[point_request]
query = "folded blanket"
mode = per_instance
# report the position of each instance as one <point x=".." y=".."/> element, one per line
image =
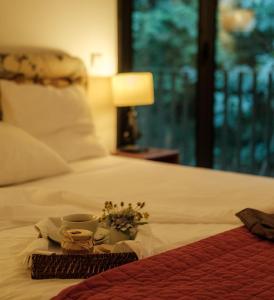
<point x="258" y="222"/>
<point x="231" y="265"/>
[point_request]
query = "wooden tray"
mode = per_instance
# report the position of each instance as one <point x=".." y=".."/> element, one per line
<point x="76" y="265"/>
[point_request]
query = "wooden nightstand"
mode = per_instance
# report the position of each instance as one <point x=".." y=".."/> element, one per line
<point x="156" y="154"/>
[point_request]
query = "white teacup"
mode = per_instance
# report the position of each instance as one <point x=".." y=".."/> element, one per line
<point x="79" y="221"/>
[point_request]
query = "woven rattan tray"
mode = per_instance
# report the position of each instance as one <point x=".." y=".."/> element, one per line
<point x="76" y="266"/>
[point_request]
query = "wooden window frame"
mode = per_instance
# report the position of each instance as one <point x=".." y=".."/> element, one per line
<point x="205" y="83"/>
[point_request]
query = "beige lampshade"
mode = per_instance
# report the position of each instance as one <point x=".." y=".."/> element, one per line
<point x="131" y="89"/>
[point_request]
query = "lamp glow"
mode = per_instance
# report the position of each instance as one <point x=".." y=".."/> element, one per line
<point x="131" y="89"/>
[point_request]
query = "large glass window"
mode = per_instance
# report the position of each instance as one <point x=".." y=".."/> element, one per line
<point x="244" y="104"/>
<point x="165" y="43"/>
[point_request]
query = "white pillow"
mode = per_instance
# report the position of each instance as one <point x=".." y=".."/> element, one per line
<point x="23" y="158"/>
<point x="60" y="117"/>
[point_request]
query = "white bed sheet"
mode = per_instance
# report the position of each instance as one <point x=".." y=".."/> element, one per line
<point x="185" y="204"/>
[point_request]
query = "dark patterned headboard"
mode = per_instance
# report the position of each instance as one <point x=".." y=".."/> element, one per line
<point x="45" y="67"/>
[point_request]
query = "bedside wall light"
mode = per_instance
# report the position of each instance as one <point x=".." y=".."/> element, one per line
<point x="130" y="90"/>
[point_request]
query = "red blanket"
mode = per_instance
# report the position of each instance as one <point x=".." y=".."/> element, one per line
<point x="231" y="265"/>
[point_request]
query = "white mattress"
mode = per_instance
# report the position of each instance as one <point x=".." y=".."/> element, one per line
<point x="185" y="204"/>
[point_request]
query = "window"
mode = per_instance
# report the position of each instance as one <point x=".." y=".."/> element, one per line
<point x="216" y="109"/>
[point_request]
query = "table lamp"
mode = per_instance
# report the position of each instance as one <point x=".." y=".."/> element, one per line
<point x="130" y="90"/>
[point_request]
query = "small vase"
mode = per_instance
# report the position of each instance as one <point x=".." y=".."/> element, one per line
<point x="116" y="236"/>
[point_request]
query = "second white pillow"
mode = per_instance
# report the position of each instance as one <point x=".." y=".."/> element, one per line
<point x="24" y="158"/>
<point x="59" y="117"/>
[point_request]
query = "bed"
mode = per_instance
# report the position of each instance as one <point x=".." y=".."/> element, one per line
<point x="186" y="204"/>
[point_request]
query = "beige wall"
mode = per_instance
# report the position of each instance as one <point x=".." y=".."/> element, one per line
<point x="79" y="27"/>
<point x="104" y="113"/>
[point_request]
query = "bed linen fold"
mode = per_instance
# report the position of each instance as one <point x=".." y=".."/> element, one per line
<point x="28" y="205"/>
